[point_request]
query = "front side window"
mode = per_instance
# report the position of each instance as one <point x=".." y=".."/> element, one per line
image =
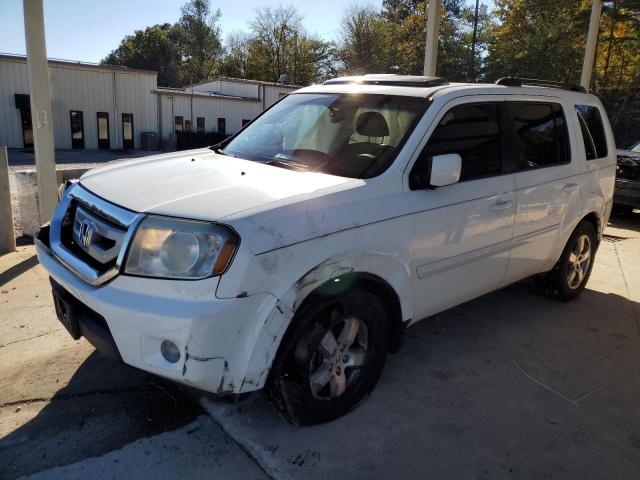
<point x="473" y="132"/>
<point x="541" y="134"/>
<point x="350" y="135"/>
<point x="592" y="131"/>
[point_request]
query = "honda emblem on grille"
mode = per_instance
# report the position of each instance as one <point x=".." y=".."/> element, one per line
<point x="86" y="232"/>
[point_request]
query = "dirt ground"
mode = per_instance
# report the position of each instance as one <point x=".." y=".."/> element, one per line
<point x="511" y="385"/>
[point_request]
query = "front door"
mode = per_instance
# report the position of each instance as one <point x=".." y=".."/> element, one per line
<point x="103" y="131"/>
<point x="548" y="185"/>
<point x="127" y="131"/>
<point x="27" y="128"/>
<point x="463" y="231"/>
<point x="77" y="129"/>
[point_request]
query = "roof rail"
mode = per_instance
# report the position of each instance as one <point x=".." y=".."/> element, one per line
<point x="391" y="80"/>
<point x="534" y="82"/>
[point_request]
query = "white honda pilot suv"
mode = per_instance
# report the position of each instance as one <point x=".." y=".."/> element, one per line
<point x="294" y="255"/>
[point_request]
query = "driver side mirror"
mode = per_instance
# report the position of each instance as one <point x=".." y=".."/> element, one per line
<point x="445" y="170"/>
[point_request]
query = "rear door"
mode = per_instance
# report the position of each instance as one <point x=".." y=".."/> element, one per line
<point x="462" y="232"/>
<point x="547" y="184"/>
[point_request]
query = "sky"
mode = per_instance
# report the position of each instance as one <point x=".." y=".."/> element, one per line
<point x="88" y="30"/>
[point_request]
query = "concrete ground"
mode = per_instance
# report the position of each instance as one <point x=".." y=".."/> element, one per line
<point x="61" y="402"/>
<point x="510" y="385"/>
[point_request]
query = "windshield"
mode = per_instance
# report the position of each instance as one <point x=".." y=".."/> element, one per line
<point x="636" y="148"/>
<point x="350" y="135"/>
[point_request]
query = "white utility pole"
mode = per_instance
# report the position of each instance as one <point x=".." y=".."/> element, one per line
<point x="38" y="69"/>
<point x="433" y="34"/>
<point x="592" y="39"/>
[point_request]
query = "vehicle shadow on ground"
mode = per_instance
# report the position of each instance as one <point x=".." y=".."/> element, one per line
<point x="508" y="385"/>
<point x="630" y="221"/>
<point x="104" y="406"/>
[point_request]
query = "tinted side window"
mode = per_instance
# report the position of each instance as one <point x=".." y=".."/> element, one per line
<point x="541" y="134"/>
<point x="591" y="120"/>
<point x="473" y="132"/>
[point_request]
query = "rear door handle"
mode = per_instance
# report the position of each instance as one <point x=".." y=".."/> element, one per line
<point x="501" y="205"/>
<point x="569" y="187"/>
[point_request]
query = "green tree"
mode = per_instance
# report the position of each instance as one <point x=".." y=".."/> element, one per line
<point x="393" y="40"/>
<point x="538" y="39"/>
<point x="277" y="45"/>
<point x="618" y="54"/>
<point x="154" y="48"/>
<point x="199" y="41"/>
<point x="363" y="40"/>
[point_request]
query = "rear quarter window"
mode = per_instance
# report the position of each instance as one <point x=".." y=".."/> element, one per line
<point x="593" y="134"/>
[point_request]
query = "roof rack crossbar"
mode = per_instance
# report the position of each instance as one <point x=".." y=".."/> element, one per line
<point x="535" y="82"/>
<point x="388" y="80"/>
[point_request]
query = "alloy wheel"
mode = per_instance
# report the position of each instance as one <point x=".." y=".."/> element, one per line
<point x="339" y="358"/>
<point x="579" y="262"/>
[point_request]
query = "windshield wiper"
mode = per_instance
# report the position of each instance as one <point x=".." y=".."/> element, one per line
<point x="286" y="164"/>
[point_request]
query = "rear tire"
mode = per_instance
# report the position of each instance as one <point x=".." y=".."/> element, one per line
<point x="331" y="357"/>
<point x="570" y="275"/>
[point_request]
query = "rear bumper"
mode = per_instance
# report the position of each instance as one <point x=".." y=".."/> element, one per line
<point x="130" y="317"/>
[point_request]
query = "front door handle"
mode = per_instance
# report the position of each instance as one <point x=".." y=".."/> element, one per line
<point x="569" y="187"/>
<point x="501" y="205"/>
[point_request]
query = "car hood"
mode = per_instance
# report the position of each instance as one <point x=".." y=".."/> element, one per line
<point x="201" y="184"/>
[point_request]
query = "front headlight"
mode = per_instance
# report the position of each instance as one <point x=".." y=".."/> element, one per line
<point x="172" y="248"/>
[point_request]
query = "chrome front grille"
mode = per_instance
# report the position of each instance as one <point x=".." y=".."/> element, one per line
<point x="99" y="239"/>
<point x="90" y="235"/>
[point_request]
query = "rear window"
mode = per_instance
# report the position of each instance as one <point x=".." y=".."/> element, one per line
<point x="595" y="140"/>
<point x="541" y="134"/>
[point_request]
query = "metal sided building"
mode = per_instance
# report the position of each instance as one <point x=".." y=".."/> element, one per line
<point x="111" y="107"/>
<point x="223" y="105"/>
<point x="93" y="106"/>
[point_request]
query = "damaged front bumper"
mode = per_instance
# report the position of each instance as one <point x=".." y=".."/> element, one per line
<point x="217" y="338"/>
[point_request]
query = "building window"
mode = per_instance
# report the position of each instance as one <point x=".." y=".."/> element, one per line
<point x="200" y="125"/>
<point x="103" y="130"/>
<point x="187" y="125"/>
<point x="245" y="121"/>
<point x="24" y="105"/>
<point x="127" y="130"/>
<point x="77" y="129"/>
<point x="178" y="124"/>
<point x="222" y="126"/>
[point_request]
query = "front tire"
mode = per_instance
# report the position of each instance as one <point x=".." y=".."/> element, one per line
<point x="571" y="274"/>
<point x="331" y="358"/>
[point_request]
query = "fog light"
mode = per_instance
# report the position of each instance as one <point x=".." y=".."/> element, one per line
<point x="170" y="351"/>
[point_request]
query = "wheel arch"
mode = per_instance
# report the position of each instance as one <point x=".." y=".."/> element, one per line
<point x="377" y="273"/>
<point x="595" y="220"/>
